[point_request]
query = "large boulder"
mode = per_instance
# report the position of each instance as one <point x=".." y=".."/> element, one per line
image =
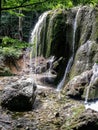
<point x="85" y="85"/>
<point x="75" y="88"/>
<point x="19" y="96"/>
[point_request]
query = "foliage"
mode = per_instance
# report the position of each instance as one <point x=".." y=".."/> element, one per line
<point x="15" y="43"/>
<point x="45" y="4"/>
<point x="10" y="52"/>
<point x="12" y="48"/>
<point x="93" y="2"/>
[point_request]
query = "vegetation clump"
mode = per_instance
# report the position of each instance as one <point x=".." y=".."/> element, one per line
<point x="11" y="48"/>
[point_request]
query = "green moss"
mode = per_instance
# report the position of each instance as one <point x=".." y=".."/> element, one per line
<point x="94" y="35"/>
<point x="73" y="120"/>
<point x="94" y="50"/>
<point x="16" y="115"/>
<point x="54" y="34"/>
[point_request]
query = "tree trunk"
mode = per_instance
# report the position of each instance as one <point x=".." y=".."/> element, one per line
<point x="0" y="21"/>
<point x="0" y="12"/>
<point x="20" y="26"/>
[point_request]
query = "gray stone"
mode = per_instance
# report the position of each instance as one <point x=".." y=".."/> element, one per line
<point x="19" y="97"/>
<point x="75" y="88"/>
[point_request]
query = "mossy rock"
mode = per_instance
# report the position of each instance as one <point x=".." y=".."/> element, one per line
<point x="55" y="33"/>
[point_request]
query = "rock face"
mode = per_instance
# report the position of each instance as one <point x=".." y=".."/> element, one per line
<point x="56" y="38"/>
<point x="86" y="41"/>
<point x="19" y="96"/>
<point x="86" y="44"/>
<point x="85" y="57"/>
<point x="55" y="32"/>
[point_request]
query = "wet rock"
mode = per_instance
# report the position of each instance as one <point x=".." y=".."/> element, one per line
<point x="86" y="56"/>
<point x="75" y="88"/>
<point x="19" y="96"/>
<point x="41" y="69"/>
<point x="93" y="89"/>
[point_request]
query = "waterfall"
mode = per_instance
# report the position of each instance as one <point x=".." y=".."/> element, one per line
<point x="49" y="74"/>
<point x="69" y="64"/>
<point x="50" y="64"/>
<point x="74" y="30"/>
<point x="36" y="38"/>
<point x="49" y="32"/>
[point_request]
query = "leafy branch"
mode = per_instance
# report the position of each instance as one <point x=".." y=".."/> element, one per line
<point x="21" y="6"/>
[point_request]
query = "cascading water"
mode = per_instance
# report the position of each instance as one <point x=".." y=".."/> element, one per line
<point x="60" y="85"/>
<point x="69" y="64"/>
<point x="49" y="31"/>
<point x="50" y="64"/>
<point x="36" y="33"/>
<point x="49" y="74"/>
<point x="36" y="38"/>
<point x="92" y="105"/>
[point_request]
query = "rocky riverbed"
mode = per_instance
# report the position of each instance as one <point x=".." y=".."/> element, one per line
<point x="52" y="110"/>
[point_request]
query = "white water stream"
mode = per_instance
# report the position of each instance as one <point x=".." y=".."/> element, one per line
<point x="36" y="39"/>
<point x="50" y="65"/>
<point x="69" y="64"/>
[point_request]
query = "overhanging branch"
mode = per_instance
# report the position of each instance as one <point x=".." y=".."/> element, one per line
<point x="21" y="6"/>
